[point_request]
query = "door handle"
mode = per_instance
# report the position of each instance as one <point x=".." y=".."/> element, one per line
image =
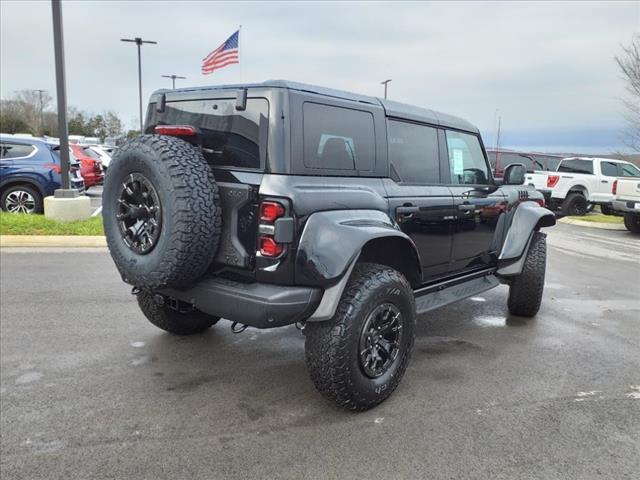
<point x="604" y="181"/>
<point x="466" y="207"/>
<point x="407" y="210"/>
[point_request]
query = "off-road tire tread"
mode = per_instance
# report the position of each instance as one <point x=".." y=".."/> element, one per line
<point x="325" y="342"/>
<point x="173" y="321"/>
<point x="525" y="292"/>
<point x="197" y="226"/>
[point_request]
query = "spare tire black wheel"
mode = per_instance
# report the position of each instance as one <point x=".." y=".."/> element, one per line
<point x="161" y="212"/>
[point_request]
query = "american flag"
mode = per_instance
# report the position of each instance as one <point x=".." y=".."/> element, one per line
<point x="224" y="55"/>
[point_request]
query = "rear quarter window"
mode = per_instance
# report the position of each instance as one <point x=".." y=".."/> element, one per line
<point x="337" y="138"/>
<point x="576" y="166"/>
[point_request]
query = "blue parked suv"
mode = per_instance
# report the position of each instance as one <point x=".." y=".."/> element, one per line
<point x="29" y="171"/>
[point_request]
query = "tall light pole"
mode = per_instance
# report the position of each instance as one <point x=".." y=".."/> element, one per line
<point x="40" y="92"/>
<point x="173" y="79"/>
<point x="139" y="41"/>
<point x="61" y="94"/>
<point x="385" y="87"/>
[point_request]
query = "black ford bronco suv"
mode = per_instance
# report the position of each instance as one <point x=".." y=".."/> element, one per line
<point x="280" y="203"/>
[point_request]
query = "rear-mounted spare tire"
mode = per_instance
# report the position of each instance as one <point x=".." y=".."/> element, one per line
<point x="161" y="212"/>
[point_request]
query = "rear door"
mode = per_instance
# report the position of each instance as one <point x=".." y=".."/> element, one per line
<point x="608" y="173"/>
<point x="476" y="202"/>
<point x="420" y="203"/>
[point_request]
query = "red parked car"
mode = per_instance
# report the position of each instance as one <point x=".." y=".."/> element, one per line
<point x="90" y="165"/>
<point x="500" y="159"/>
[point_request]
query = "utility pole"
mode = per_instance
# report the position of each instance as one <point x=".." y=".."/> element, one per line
<point x="385" y="87"/>
<point x="40" y="92"/>
<point x="139" y="41"/>
<point x="173" y="79"/>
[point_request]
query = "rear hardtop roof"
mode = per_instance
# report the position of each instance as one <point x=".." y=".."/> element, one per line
<point x="392" y="109"/>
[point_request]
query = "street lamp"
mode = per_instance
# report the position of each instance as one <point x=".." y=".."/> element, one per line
<point x="173" y="79"/>
<point x="385" y="87"/>
<point x="139" y="41"/>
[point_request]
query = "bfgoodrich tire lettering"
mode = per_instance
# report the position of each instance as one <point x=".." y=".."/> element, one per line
<point x="332" y="347"/>
<point x="191" y="213"/>
<point x="173" y="321"/>
<point x="525" y="292"/>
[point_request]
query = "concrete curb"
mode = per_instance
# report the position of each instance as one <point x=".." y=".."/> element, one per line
<point x="601" y="225"/>
<point x="65" y="241"/>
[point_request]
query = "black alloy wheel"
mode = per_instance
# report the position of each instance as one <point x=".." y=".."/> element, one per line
<point x="139" y="214"/>
<point x="380" y="340"/>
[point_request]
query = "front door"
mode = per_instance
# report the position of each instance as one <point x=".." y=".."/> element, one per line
<point x="420" y="203"/>
<point x="477" y="203"/>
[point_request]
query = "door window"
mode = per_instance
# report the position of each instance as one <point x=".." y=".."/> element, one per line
<point x="628" y="170"/>
<point x="413" y="152"/>
<point x="466" y="159"/>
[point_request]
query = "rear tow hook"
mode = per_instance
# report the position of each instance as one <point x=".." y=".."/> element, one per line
<point x="238" y="327"/>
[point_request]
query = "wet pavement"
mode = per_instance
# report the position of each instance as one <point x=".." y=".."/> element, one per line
<point x="90" y="389"/>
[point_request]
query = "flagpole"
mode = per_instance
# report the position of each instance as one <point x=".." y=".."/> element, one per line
<point x="240" y="50"/>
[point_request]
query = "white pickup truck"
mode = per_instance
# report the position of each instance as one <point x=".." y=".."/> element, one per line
<point x="579" y="182"/>
<point x="626" y="201"/>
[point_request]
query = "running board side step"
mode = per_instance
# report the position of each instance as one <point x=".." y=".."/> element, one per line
<point x="437" y="296"/>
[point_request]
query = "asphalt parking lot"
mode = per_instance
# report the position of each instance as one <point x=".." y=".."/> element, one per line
<point x="89" y="389"/>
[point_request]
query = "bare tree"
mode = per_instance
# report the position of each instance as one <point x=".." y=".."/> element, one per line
<point x="629" y="63"/>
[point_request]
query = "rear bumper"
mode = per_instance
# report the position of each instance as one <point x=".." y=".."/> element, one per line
<point x="626" y="206"/>
<point x="258" y="305"/>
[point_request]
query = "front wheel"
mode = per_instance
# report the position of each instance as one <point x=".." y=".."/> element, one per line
<point x="525" y="292"/>
<point x="178" y="322"/>
<point x="632" y="222"/>
<point x="358" y="358"/>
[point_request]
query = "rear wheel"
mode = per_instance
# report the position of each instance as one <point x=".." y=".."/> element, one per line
<point x="575" y="204"/>
<point x="179" y="322"/>
<point x="525" y="292"/>
<point x="606" y="210"/>
<point x="358" y="358"/>
<point x="632" y="222"/>
<point x="21" y="199"/>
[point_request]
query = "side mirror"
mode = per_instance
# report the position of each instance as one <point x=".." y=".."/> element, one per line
<point x="514" y="174"/>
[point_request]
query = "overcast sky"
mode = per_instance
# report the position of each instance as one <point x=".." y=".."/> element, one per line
<point x="547" y="67"/>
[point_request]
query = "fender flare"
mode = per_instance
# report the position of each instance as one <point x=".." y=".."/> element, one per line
<point x="22" y="180"/>
<point x="330" y="245"/>
<point x="528" y="218"/>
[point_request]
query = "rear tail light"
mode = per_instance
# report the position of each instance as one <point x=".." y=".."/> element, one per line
<point x="270" y="211"/>
<point x="539" y="201"/>
<point x="552" y="180"/>
<point x="176" y="130"/>
<point x="54" y="167"/>
<point x="269" y="247"/>
<point x="614" y="188"/>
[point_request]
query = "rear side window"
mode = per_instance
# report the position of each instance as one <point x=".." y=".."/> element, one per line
<point x="337" y="138"/>
<point x="576" y="166"/>
<point x="609" y="169"/>
<point x="466" y="159"/>
<point x="228" y="137"/>
<point x="15" y="150"/>
<point x="413" y="152"/>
